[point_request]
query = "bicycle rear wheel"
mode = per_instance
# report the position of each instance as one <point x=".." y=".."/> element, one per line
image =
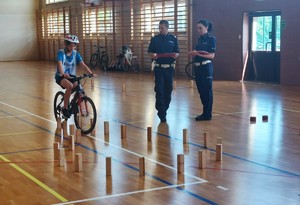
<point x="125" y="66"/>
<point x="190" y="70"/>
<point x="58" y="104"/>
<point x="85" y="115"/>
<point x="104" y="61"/>
<point x="94" y="60"/>
<point x="135" y="65"/>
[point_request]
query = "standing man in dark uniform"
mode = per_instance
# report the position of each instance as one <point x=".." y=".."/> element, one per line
<point x="204" y="53"/>
<point x="163" y="48"/>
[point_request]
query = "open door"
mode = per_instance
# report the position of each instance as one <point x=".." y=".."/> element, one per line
<point x="264" y="47"/>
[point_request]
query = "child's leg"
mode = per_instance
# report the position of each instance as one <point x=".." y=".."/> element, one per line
<point x="69" y="86"/>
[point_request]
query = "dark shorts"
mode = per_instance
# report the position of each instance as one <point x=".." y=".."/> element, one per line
<point x="58" y="79"/>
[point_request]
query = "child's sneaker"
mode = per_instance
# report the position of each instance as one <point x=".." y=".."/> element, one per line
<point x="65" y="113"/>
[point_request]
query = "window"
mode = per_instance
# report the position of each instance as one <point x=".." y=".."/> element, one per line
<point x="56" y="22"/>
<point x="262" y="33"/>
<point x="97" y="20"/>
<point x="152" y="15"/>
<point x="54" y="1"/>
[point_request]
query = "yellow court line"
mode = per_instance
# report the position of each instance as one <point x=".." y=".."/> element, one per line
<point x="20" y="133"/>
<point x="38" y="182"/>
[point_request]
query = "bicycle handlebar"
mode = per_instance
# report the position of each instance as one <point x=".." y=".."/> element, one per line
<point x="85" y="75"/>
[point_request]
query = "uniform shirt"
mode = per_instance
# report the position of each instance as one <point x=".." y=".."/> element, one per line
<point x="163" y="44"/>
<point x="207" y="43"/>
<point x="68" y="62"/>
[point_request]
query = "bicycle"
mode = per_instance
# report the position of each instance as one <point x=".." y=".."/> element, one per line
<point x="83" y="107"/>
<point x="190" y="70"/>
<point x="99" y="57"/>
<point x="125" y="61"/>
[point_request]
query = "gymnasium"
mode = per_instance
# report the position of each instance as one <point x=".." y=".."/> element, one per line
<point x="122" y="152"/>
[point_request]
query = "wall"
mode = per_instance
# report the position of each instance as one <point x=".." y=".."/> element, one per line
<point x="227" y="18"/>
<point x="18" y="31"/>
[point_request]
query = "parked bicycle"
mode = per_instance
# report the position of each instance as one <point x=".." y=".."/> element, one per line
<point x="125" y="61"/>
<point x="83" y="107"/>
<point x="100" y="57"/>
<point x="190" y="70"/>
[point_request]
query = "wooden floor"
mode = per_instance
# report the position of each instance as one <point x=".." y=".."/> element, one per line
<point x="261" y="161"/>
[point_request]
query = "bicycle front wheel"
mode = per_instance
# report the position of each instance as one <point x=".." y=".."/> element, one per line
<point x="190" y="70"/>
<point x="85" y="115"/>
<point x="94" y="60"/>
<point x="58" y="104"/>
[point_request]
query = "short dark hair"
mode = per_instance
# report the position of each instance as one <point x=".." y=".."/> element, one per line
<point x="206" y="23"/>
<point x="165" y="22"/>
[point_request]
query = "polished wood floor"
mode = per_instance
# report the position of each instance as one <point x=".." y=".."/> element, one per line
<point x="260" y="161"/>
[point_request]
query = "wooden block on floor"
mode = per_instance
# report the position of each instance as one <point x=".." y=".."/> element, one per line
<point x="180" y="163"/>
<point x="174" y="84"/>
<point x="219" y="152"/>
<point x="78" y="162"/>
<point x="58" y="123"/>
<point x="142" y="166"/>
<point x="65" y="128"/>
<point x="108" y="166"/>
<point x="78" y="136"/>
<point x="106" y="128"/>
<point x="123" y="131"/>
<point x="62" y="159"/>
<point x="71" y="142"/>
<point x="185" y="138"/>
<point x="149" y="134"/>
<point x="205" y="140"/>
<point x="201" y="159"/>
<point x="72" y="129"/>
<point x="265" y="118"/>
<point x="253" y="119"/>
<point x="56" y="150"/>
<point x="123" y="87"/>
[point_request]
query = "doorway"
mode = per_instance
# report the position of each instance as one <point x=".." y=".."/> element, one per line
<point x="264" y="47"/>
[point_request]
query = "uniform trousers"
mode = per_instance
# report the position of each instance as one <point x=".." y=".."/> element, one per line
<point x="204" y="79"/>
<point x="163" y="89"/>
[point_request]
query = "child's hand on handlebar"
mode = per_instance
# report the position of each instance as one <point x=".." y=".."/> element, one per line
<point x="66" y="75"/>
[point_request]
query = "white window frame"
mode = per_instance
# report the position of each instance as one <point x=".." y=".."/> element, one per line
<point x="55" y="1"/>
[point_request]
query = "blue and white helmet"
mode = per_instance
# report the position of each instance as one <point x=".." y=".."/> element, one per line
<point x="71" y="38"/>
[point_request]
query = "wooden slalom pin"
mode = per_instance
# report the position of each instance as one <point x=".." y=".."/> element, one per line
<point x="180" y="163"/>
<point x="56" y="150"/>
<point x="185" y="138"/>
<point x="201" y="159"/>
<point x="123" y="131"/>
<point x="219" y="152"/>
<point x="78" y="162"/>
<point x="149" y="134"/>
<point x="108" y="166"/>
<point x="142" y="166"/>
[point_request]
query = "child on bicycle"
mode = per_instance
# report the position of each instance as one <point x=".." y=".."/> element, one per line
<point x="67" y="60"/>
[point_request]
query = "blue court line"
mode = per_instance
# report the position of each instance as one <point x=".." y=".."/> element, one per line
<point x="127" y="165"/>
<point x="224" y="153"/>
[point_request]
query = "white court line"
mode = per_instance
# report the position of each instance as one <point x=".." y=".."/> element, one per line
<point x="126" y="150"/>
<point x="27" y="112"/>
<point x="292" y="110"/>
<point x="223" y="188"/>
<point x="129" y="193"/>
<point x="15" y="116"/>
